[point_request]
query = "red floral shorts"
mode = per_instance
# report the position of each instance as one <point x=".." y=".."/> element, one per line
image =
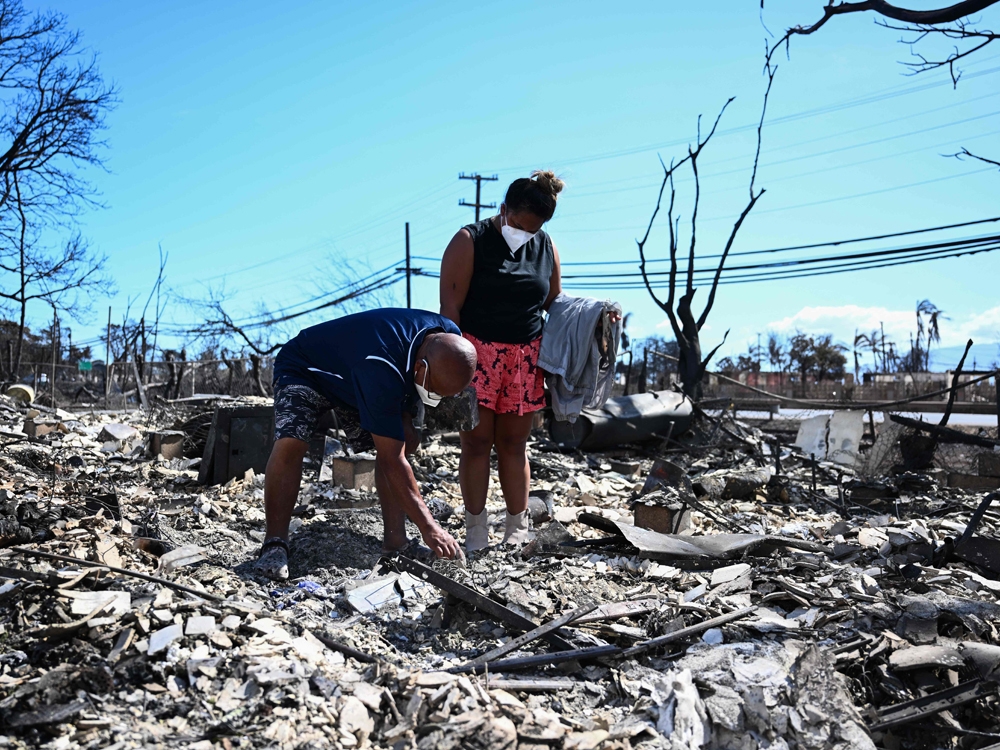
<point x="508" y="379"/>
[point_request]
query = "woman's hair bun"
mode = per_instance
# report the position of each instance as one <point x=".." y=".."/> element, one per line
<point x="547" y="180"/>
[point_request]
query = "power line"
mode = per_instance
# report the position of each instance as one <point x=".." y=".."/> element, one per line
<point x="830" y="243"/>
<point x="969" y="242"/>
<point x="875" y="97"/>
<point x="792" y="274"/>
<point x="802" y="157"/>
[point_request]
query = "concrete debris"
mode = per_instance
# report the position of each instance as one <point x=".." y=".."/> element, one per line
<point x="791" y="600"/>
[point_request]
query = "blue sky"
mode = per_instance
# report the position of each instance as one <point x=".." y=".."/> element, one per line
<point x="268" y="146"/>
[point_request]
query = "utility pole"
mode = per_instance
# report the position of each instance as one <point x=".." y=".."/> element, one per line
<point x="107" y="364"/>
<point x="409" y="298"/>
<point x="55" y="348"/>
<point x="758" y="360"/>
<point x="479" y="184"/>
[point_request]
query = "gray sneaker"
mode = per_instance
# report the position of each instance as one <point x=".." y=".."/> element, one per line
<point x="272" y="560"/>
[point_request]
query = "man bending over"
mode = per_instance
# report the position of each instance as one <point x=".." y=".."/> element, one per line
<point x="370" y="368"/>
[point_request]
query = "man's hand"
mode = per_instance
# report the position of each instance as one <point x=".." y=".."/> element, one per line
<point x="400" y="497"/>
<point x="442" y="543"/>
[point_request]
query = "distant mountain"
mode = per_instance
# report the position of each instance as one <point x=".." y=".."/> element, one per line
<point x="985" y="357"/>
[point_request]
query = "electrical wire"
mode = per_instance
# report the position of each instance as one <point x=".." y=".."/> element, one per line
<point x="811" y="246"/>
<point x="875" y="97"/>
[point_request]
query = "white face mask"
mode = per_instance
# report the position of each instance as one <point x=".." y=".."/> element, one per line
<point x="515" y="238"/>
<point x="429" y="399"/>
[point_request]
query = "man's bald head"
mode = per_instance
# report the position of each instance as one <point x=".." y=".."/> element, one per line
<point x="452" y="362"/>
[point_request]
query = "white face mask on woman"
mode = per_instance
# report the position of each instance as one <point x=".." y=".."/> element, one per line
<point x="515" y="238"/>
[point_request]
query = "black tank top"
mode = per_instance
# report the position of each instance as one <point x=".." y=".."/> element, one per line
<point x="507" y="291"/>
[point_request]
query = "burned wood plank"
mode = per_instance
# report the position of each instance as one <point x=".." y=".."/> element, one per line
<point x="683" y="633"/>
<point x="49" y="715"/>
<point x="617" y="610"/>
<point x="944" y="434"/>
<point x="541" y="660"/>
<point x="929" y="705"/>
<point x="515" y="643"/>
<point x="530" y="686"/>
<point x="474" y="598"/>
<point x="122" y="571"/>
<point x="335" y="645"/>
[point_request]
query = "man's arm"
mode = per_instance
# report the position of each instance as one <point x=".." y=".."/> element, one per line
<point x="404" y="490"/>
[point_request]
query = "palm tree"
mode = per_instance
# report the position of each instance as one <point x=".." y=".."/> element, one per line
<point x="932" y="328"/>
<point x="860" y="341"/>
<point x="776" y="354"/>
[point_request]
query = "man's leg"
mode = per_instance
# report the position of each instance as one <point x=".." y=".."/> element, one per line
<point x="281" y="484"/>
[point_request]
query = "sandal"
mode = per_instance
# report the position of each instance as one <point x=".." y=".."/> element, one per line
<point x="272" y="560"/>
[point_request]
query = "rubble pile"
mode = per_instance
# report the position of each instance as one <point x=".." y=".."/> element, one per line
<point x="717" y="590"/>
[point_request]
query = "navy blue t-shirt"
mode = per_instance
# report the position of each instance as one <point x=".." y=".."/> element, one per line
<point x="364" y="360"/>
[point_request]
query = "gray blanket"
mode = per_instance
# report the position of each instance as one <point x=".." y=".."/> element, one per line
<point x="577" y="340"/>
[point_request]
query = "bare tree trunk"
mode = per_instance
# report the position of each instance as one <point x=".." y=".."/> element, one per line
<point x="231" y="366"/>
<point x="169" y="357"/>
<point x="255" y="370"/>
<point x="181" y="372"/>
<point x="692" y="365"/>
<point x="22" y="292"/>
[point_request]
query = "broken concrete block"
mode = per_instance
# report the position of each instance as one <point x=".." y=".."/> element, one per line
<point x="662" y="518"/>
<point x="973" y="483"/>
<point x="354" y="718"/>
<point x="117" y="432"/>
<point x="168" y="444"/>
<point x="162" y="638"/>
<point x="200" y="625"/>
<point x="728" y="573"/>
<point x="924" y="657"/>
<point x="732" y="484"/>
<point x="85" y="602"/>
<point x="354" y="472"/>
<point x="37" y="428"/>
<point x="628" y="468"/>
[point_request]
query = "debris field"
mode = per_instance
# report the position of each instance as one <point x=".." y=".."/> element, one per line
<point x="718" y="589"/>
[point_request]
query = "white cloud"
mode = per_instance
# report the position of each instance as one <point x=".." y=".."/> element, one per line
<point x="843" y="320"/>
<point x="984" y="328"/>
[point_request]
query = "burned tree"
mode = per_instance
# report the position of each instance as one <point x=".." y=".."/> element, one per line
<point x="686" y="327"/>
<point x="53" y="102"/>
<point x="952" y="24"/>
<point x="64" y="279"/>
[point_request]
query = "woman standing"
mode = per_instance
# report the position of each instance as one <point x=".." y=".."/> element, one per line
<point x="497" y="276"/>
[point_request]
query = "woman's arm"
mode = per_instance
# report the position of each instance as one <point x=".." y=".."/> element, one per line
<point x="456" y="274"/>
<point x="555" y="282"/>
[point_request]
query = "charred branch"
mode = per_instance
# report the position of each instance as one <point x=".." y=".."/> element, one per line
<point x="948" y="22"/>
<point x="686" y="326"/>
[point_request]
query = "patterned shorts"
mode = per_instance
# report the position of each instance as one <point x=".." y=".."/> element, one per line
<point x="298" y="410"/>
<point x="508" y="379"/>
